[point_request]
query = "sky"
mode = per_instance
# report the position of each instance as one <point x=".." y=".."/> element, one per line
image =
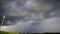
<point x="31" y="15"/>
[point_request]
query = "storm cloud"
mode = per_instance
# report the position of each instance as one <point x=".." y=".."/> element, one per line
<point x="31" y="15"/>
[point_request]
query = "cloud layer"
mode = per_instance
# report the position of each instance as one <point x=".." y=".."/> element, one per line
<point x="38" y="15"/>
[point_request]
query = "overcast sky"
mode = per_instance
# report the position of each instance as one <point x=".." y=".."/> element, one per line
<point x="38" y="15"/>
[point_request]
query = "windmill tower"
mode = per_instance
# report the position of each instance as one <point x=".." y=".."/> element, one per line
<point x="3" y="19"/>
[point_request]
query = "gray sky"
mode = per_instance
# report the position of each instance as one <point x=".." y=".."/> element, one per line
<point x="33" y="20"/>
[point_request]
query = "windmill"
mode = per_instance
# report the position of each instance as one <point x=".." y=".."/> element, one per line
<point x="3" y="19"/>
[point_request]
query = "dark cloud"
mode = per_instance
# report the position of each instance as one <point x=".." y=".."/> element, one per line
<point x="22" y="16"/>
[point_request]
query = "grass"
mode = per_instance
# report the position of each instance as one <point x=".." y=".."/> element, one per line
<point x="3" y="32"/>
